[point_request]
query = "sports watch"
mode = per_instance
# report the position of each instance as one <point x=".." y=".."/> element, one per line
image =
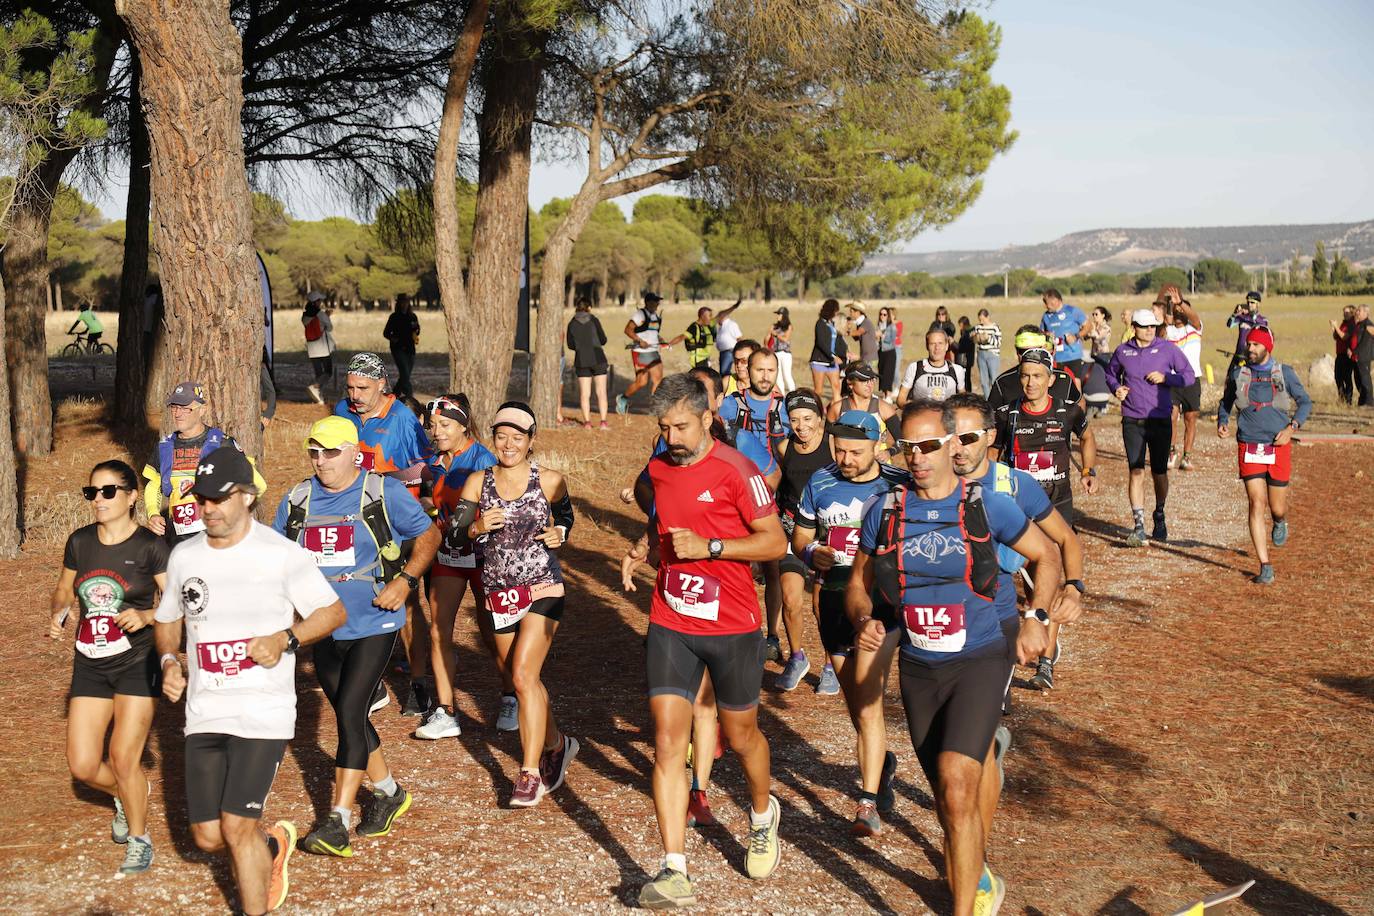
<point x="292" y="643"/>
<point x="413" y="582"/>
<point x="1078" y="584"/>
<point x="1037" y="614"/>
<point x="715" y="547"/>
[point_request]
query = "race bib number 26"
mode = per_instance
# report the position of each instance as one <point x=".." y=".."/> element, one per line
<point x="186" y="518"/>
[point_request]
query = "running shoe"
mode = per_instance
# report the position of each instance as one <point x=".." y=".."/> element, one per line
<point x="622" y="403"/>
<point x="991" y="891"/>
<point x="1279" y="535"/>
<point x="1161" y="532"/>
<point x="773" y="648"/>
<point x="668" y="891"/>
<point x="605" y="425"/>
<point x="866" y="822"/>
<point x="1266" y="575"/>
<point x="829" y="684"/>
<point x="887" y="798"/>
<point x="699" y="812"/>
<point x="1001" y="743"/>
<point x="764" y="850"/>
<point x="1043" y="679"/>
<point x="509" y="718"/>
<point x="315" y="393"/>
<point x="119" y="826"/>
<point x="553" y="765"/>
<point x="284" y="833"/>
<point x="383" y="811"/>
<point x="328" y="837"/>
<point x="796" y="669"/>
<point x="529" y="789"/>
<point x="417" y="700"/>
<point x="138" y="856"/>
<point x="1185" y="463"/>
<point x="1137" y="538"/>
<point x="439" y="723"/>
<point x="379" y="698"/>
<point x="1173" y="459"/>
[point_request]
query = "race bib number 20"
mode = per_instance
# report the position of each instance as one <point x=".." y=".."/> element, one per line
<point x="509" y="606"/>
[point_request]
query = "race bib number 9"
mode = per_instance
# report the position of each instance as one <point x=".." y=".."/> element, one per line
<point x="692" y="594"/>
<point x="330" y="545"/>
<point x="1259" y="453"/>
<point x="186" y="518"/>
<point x="935" y="627"/>
<point x="845" y="543"/>
<point x="509" y="606"/>
<point x="100" y="637"/>
<point x="1039" y="465"/>
<point x="227" y="665"/>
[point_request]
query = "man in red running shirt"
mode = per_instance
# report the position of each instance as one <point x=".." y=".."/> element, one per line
<point x="714" y="515"/>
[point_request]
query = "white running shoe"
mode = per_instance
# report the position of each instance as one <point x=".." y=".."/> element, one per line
<point x="438" y="724"/>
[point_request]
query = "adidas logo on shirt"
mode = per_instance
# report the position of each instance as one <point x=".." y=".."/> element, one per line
<point x="705" y="497"/>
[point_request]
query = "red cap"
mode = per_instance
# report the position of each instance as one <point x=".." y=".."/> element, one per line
<point x="1261" y="336"/>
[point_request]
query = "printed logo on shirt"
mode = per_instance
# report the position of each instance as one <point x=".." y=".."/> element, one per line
<point x="705" y="497"/>
<point x="195" y="595"/>
<point x="933" y="545"/>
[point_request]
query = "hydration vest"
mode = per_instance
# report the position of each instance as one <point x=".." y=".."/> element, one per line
<point x="774" y="431"/>
<point x="372" y="511"/>
<point x="700" y="340"/>
<point x="981" y="565"/>
<point x="166" y="447"/>
<point x="1282" y="402"/>
<point x="652" y="322"/>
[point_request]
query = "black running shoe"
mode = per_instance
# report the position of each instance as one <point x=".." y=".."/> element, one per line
<point x="383" y="811"/>
<point x="1161" y="532"/>
<point x="418" y="700"/>
<point x="379" y="698"/>
<point x="328" y="837"/>
<point x="887" y="798"/>
<point x="1043" y="679"/>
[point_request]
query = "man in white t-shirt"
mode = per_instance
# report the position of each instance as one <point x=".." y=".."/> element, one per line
<point x="1184" y="328"/>
<point x="728" y="334"/>
<point x="934" y="378"/>
<point x="235" y="591"/>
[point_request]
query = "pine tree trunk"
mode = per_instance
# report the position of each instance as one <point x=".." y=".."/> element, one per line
<point x="131" y="360"/>
<point x="484" y="332"/>
<point x="546" y="379"/>
<point x="26" y="308"/>
<point x="10" y="507"/>
<point x="192" y="69"/>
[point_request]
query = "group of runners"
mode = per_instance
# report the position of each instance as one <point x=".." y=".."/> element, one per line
<point x="941" y="533"/>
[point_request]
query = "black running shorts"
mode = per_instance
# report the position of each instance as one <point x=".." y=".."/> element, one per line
<point x="1153" y="435"/>
<point x="954" y="706"/>
<point x="676" y="661"/>
<point x="139" y="676"/>
<point x="1187" y="398"/>
<point x="593" y="371"/>
<point x="837" y="633"/>
<point x="229" y="774"/>
<point x="551" y="608"/>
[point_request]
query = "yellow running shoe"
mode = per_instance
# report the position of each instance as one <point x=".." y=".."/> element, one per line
<point x="991" y="891"/>
<point x="668" y="891"/>
<point x="764" y="850"/>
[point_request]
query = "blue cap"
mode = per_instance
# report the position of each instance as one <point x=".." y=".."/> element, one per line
<point x="856" y="424"/>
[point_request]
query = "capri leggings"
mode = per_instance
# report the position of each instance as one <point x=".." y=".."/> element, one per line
<point x="349" y="670"/>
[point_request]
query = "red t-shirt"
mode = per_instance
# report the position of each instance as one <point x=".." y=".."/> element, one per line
<point x="717" y="497"/>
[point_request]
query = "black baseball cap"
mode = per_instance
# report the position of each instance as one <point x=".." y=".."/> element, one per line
<point x="220" y="471"/>
<point x="652" y="297"/>
<point x="860" y="370"/>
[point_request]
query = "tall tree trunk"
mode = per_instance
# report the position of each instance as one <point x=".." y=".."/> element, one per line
<point x="131" y="360"/>
<point x="448" y="257"/>
<point x="10" y="506"/>
<point x="192" y="67"/>
<point x="557" y="250"/>
<point x="486" y="329"/>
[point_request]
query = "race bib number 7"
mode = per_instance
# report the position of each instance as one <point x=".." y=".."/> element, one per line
<point x="935" y="627"/>
<point x="1039" y="465"/>
<point x="692" y="594"/>
<point x="509" y="606"/>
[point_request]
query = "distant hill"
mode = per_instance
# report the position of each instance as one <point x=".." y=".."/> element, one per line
<point x="1138" y="250"/>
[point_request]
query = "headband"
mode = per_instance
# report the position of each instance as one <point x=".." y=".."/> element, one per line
<point x="448" y="406"/>
<point x="367" y="365"/>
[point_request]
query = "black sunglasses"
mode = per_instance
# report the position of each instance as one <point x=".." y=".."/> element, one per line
<point x="107" y="492"/>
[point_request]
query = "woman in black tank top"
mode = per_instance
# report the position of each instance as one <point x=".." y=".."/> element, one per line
<point x="804" y="452"/>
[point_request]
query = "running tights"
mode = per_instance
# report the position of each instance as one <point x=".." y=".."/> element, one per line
<point x="349" y="670"/>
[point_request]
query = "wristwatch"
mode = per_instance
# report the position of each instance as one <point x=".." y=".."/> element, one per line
<point x="715" y="547"/>
<point x="1090" y="472"/>
<point x="1037" y="614"/>
<point x="413" y="582"/>
<point x="1078" y="584"/>
<point x="292" y="643"/>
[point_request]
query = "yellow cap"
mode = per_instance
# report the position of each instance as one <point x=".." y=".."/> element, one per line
<point x="333" y="432"/>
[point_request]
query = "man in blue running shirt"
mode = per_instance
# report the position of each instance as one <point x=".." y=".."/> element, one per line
<point x="1062" y="323"/>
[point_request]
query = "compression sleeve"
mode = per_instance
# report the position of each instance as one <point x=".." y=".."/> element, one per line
<point x="563" y="515"/>
<point x="457" y="537"/>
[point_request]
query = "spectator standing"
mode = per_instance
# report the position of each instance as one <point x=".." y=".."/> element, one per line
<point x="988" y="338"/>
<point x="780" y="342"/>
<point x="728" y="334"/>
<point x="586" y="338"/>
<point x="402" y="332"/>
<point x="319" y="342"/>
<point x="964" y="350"/>
<point x="1363" y="352"/>
<point x="942" y="323"/>
<point x="889" y="352"/>
<point x="862" y="330"/>
<point x="826" y="355"/>
<point x="1063" y="323"/>
<point x="700" y="338"/>
<point x="1344" y="335"/>
<point x="1243" y="318"/>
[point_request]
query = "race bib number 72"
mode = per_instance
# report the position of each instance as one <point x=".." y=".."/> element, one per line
<point x="692" y="594"/>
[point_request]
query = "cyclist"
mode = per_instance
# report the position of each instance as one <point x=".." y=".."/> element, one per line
<point x="90" y="325"/>
<point x="112" y="569"/>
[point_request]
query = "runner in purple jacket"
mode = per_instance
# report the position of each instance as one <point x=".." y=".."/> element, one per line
<point x="1140" y="374"/>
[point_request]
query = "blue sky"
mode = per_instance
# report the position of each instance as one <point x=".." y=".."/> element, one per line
<point x="1164" y="114"/>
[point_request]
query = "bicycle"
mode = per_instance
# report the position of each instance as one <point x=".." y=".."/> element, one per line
<point x="84" y="346"/>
